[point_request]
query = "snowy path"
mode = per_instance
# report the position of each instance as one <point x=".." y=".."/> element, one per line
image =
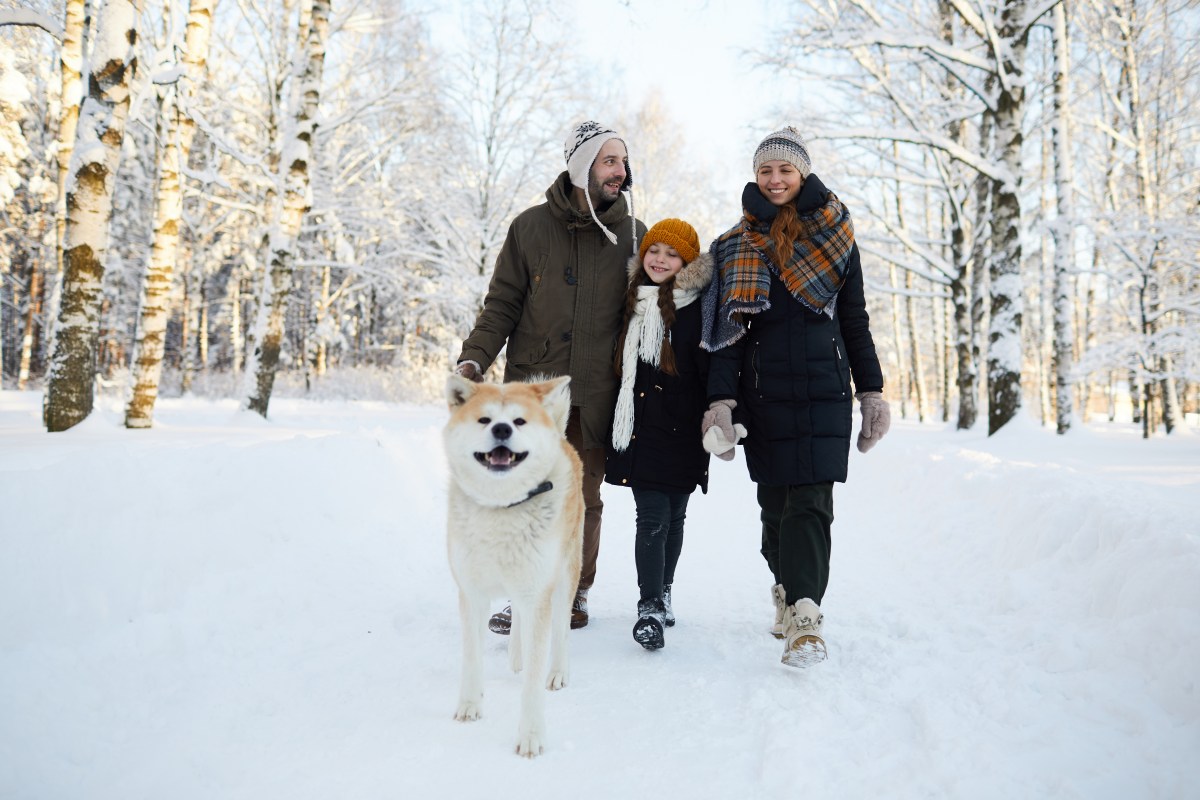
<point x="227" y="608"/>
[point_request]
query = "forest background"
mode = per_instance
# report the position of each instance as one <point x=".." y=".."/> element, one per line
<point x="245" y="197"/>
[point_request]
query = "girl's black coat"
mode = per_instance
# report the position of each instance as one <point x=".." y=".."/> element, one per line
<point x="791" y="376"/>
<point x="665" y="452"/>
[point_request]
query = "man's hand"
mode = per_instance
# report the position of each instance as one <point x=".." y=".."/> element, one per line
<point x="470" y="371"/>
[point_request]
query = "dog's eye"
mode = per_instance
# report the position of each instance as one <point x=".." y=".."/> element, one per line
<point x="519" y="421"/>
<point x="485" y="420"/>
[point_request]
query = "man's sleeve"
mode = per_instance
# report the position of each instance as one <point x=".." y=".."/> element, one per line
<point x="502" y="306"/>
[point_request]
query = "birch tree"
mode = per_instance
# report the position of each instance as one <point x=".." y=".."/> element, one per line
<point x="92" y="172"/>
<point x="990" y="67"/>
<point x="176" y="130"/>
<point x="295" y="200"/>
<point x="70" y="98"/>
<point x="1062" y="230"/>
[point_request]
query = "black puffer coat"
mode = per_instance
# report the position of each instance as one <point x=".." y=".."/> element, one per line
<point x="665" y="452"/>
<point x="791" y="376"/>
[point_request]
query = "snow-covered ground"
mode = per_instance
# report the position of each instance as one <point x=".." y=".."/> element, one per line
<point x="224" y="607"/>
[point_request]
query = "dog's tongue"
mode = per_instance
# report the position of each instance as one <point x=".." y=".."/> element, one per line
<point x="500" y="457"/>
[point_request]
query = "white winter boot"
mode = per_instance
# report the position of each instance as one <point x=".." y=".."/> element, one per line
<point x="802" y="625"/>
<point x="779" y="597"/>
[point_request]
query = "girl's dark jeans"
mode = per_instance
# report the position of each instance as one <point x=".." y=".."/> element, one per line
<point x="659" y="539"/>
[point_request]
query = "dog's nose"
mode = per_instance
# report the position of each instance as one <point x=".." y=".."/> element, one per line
<point x="502" y="430"/>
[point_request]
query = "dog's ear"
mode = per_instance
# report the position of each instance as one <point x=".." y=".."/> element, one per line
<point x="458" y="390"/>
<point x="556" y="397"/>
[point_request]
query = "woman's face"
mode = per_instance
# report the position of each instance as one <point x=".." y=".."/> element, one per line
<point x="779" y="182"/>
<point x="661" y="262"/>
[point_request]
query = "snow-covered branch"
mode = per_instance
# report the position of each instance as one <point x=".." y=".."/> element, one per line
<point x="32" y="18"/>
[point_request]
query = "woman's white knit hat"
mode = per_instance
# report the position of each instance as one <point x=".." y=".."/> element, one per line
<point x="784" y="145"/>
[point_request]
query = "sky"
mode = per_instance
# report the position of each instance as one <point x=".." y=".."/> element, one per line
<point x="229" y="607"/>
<point x="694" y="53"/>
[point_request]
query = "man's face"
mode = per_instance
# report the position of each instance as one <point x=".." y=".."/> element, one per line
<point x="608" y="173"/>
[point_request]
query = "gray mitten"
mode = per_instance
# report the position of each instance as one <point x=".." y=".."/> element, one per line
<point x="719" y="433"/>
<point x="876" y="419"/>
<point x="470" y="371"/>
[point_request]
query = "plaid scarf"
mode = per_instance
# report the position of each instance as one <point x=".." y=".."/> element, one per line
<point x="813" y="274"/>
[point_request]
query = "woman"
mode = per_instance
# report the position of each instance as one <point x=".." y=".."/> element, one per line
<point x="662" y="397"/>
<point x="787" y="322"/>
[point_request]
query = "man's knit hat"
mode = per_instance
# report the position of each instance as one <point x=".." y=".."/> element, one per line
<point x="784" y="145"/>
<point x="580" y="150"/>
<point x="674" y="233"/>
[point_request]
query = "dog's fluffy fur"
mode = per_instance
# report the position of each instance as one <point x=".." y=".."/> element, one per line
<point x="510" y="536"/>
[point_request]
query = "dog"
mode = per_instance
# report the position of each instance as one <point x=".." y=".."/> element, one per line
<point x="514" y="529"/>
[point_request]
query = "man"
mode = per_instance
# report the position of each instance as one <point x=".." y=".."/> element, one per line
<point x="556" y="299"/>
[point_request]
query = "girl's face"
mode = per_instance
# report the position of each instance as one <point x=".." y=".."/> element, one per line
<point x="661" y="262"/>
<point x="779" y="182"/>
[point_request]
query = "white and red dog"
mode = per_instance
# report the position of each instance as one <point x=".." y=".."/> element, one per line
<point x="514" y="530"/>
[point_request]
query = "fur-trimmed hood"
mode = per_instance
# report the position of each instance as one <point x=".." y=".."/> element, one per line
<point x="695" y="275"/>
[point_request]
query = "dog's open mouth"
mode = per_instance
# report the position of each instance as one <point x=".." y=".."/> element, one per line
<point x="500" y="459"/>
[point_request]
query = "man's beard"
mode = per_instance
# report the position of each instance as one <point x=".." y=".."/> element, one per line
<point x="596" y="190"/>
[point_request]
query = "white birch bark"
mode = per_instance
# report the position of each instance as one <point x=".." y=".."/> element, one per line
<point x="89" y="206"/>
<point x="1004" y="267"/>
<point x="898" y="341"/>
<point x="176" y="132"/>
<point x="1064" y="179"/>
<point x="70" y="66"/>
<point x="914" y="346"/>
<point x="294" y="175"/>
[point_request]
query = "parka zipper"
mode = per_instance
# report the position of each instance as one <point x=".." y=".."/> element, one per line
<point x="837" y="352"/>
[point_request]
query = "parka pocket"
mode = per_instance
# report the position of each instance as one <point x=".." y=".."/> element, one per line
<point x="538" y="276"/>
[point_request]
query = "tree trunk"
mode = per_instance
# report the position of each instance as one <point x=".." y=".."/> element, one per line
<point x="979" y="274"/>
<point x="202" y="328"/>
<point x="322" y="311"/>
<point x="1064" y="178"/>
<point x="948" y="351"/>
<point x="89" y="211"/>
<point x="70" y="67"/>
<point x="176" y="130"/>
<point x="1004" y="331"/>
<point x="187" y="361"/>
<point x="297" y="193"/>
<point x="914" y="347"/>
<point x="32" y="310"/>
<point x="898" y="342"/>
<point x="236" y="344"/>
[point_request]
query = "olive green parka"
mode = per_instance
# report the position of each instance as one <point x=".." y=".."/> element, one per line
<point x="556" y="298"/>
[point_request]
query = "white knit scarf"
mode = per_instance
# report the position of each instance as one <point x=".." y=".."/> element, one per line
<point x="643" y="340"/>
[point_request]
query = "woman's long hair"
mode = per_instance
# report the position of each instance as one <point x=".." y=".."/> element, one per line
<point x="666" y="306"/>
<point x="785" y="230"/>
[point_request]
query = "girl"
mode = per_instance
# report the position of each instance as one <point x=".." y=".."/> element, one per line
<point x="789" y="330"/>
<point x="655" y="449"/>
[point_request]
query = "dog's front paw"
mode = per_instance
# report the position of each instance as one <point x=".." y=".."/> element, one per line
<point x="557" y="680"/>
<point x="529" y="743"/>
<point x="514" y="659"/>
<point x="469" y="711"/>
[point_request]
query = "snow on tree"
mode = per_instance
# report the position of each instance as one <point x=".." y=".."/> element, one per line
<point x="295" y="199"/>
<point x="1064" y="250"/>
<point x="903" y="56"/>
<point x="175" y="134"/>
<point x="94" y="163"/>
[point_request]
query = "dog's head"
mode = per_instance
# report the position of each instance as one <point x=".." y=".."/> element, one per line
<point x="503" y="439"/>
